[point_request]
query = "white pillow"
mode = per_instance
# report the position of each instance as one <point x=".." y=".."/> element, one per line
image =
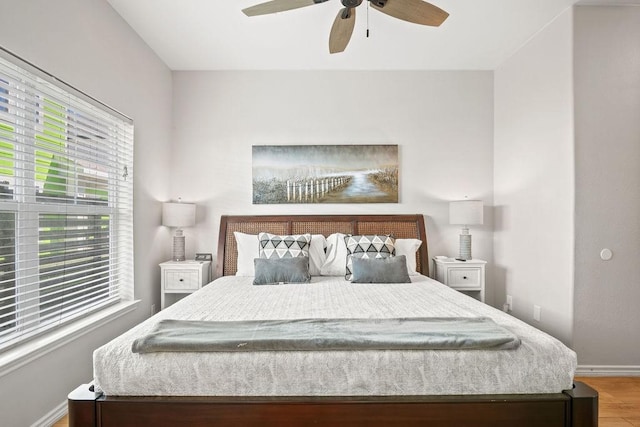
<point x="408" y="248"/>
<point x="336" y="261"/>
<point x="317" y="255"/>
<point x="249" y="249"/>
<point x="247" y="252"/>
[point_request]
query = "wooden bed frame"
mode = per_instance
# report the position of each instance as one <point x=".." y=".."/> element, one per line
<point x="577" y="407"/>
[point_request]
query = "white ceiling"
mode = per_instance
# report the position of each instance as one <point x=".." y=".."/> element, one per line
<point x="216" y="35"/>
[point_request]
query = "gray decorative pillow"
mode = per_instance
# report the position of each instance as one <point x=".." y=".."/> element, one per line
<point x="380" y="270"/>
<point x="278" y="271"/>
<point x="368" y="246"/>
<point x="273" y="246"/>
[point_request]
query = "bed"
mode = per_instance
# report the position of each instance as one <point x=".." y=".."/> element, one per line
<point x="384" y="388"/>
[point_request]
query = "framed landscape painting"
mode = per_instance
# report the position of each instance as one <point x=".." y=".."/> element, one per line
<point x="325" y="174"/>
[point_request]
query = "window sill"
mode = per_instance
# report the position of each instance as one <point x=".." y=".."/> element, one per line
<point x="32" y="350"/>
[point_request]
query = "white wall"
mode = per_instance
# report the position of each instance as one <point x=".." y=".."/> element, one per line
<point x="442" y="122"/>
<point x="534" y="180"/>
<point x="85" y="43"/>
<point x="607" y="88"/>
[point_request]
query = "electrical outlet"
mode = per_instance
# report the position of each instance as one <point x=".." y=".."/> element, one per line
<point x="509" y="302"/>
<point x="536" y="312"/>
<point x="153" y="309"/>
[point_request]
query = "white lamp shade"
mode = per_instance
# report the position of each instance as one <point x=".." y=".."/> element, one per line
<point x="178" y="214"/>
<point x="465" y="212"/>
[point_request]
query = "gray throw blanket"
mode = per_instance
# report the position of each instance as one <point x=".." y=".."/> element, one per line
<point x="327" y="334"/>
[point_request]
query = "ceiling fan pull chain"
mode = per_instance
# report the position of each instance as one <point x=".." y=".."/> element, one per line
<point x="368" y="4"/>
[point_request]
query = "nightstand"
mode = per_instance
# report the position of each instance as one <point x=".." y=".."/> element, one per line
<point x="464" y="276"/>
<point x="180" y="278"/>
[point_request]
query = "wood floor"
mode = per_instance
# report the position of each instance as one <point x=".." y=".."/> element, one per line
<point x="64" y="422"/>
<point x="619" y="401"/>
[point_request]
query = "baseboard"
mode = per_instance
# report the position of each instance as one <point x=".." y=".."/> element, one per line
<point x="52" y="416"/>
<point x="607" y="371"/>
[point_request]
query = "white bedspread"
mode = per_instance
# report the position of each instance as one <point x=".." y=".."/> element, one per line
<point x="541" y="364"/>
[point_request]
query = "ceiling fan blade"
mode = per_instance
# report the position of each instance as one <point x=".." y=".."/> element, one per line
<point x="275" y="6"/>
<point x="341" y="30"/>
<point x="416" y="11"/>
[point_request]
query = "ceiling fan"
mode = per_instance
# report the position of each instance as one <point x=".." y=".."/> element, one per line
<point x="416" y="11"/>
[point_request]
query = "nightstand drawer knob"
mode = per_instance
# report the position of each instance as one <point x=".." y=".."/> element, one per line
<point x="464" y="277"/>
<point x="182" y="280"/>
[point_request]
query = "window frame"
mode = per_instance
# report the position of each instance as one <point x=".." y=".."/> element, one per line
<point x="28" y="209"/>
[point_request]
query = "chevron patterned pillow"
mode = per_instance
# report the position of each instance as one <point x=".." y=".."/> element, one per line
<point x="274" y="246"/>
<point x="368" y="246"/>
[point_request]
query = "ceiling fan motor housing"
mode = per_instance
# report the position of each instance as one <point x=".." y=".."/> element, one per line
<point x="379" y="3"/>
<point x="351" y="3"/>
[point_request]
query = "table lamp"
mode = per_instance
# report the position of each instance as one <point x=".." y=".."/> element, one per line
<point x="465" y="212"/>
<point x="179" y="215"/>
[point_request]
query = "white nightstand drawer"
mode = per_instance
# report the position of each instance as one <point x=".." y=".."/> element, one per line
<point x="464" y="276"/>
<point x="467" y="278"/>
<point x="180" y="280"/>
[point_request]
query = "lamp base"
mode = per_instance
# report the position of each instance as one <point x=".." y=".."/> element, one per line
<point x="178" y="246"/>
<point x="465" y="246"/>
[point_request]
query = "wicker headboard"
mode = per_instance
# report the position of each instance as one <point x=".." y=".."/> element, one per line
<point x="400" y="226"/>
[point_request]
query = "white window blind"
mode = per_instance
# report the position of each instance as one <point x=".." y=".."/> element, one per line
<point x="66" y="203"/>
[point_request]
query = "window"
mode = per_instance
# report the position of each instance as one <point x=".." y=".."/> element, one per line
<point x="66" y="245"/>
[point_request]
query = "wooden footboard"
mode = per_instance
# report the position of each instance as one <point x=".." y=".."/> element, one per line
<point x="573" y="408"/>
